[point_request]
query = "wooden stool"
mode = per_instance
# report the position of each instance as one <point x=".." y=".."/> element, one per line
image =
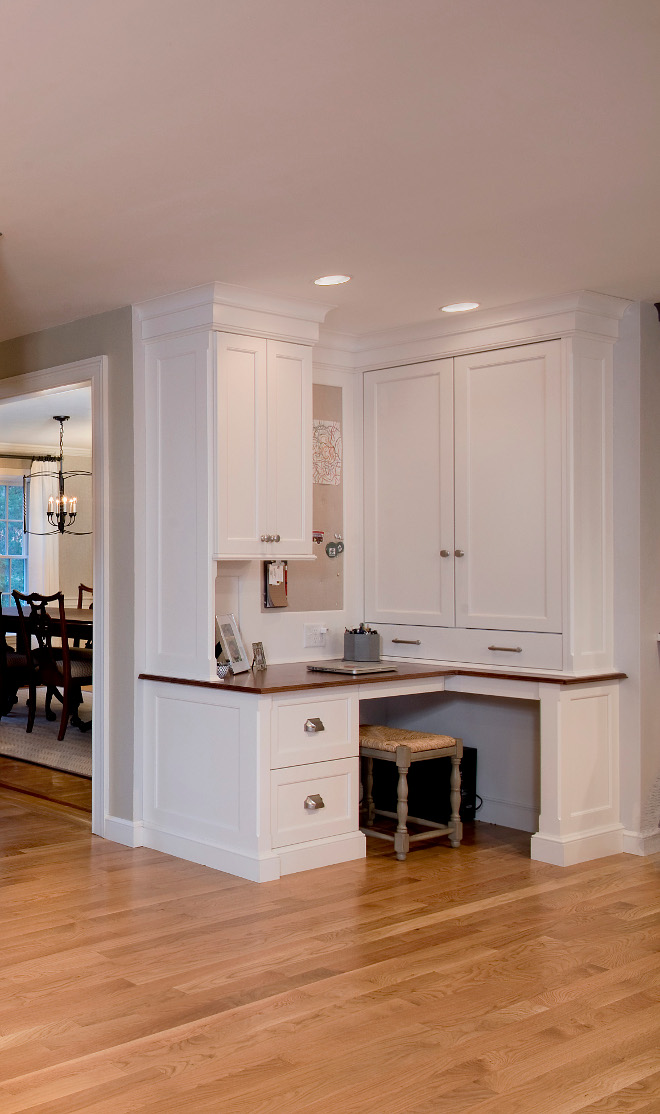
<point x="394" y="744"/>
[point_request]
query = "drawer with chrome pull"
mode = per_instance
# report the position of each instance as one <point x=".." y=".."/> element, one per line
<point x="313" y="729"/>
<point x="314" y="801"/>
<point x="511" y="649"/>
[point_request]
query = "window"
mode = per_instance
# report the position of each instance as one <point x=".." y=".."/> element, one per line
<point x="13" y="542"/>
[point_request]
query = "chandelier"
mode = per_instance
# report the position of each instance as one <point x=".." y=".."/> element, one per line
<point x="62" y="509"/>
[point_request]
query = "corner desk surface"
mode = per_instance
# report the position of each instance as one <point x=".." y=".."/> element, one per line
<point x="295" y="677"/>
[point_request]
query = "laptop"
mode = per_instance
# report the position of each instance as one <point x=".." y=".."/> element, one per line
<point x="354" y="668"/>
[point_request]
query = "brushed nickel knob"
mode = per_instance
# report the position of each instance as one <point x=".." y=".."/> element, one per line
<point x="459" y="553"/>
<point x="444" y="553"/>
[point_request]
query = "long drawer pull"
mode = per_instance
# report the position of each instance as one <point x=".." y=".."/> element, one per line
<point x="314" y="801"/>
<point x="408" y="641"/>
<point x="313" y="725"/>
<point x="507" y="649"/>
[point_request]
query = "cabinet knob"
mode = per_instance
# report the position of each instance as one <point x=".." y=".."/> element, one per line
<point x="313" y="725"/>
<point x="459" y="553"/>
<point x="275" y="538"/>
<point x="264" y="537"/>
<point x="444" y="553"/>
<point x="314" y="802"/>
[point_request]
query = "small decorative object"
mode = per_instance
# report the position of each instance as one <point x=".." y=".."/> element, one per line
<point x="233" y="650"/>
<point x="223" y="668"/>
<point x="258" y="656"/>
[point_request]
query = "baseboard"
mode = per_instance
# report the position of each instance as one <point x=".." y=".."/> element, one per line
<point x="641" y="843"/>
<point x="127" y="832"/>
<point x="254" y="869"/>
<point x="580" y="848"/>
<point x="508" y="814"/>
<point x="337" y="849"/>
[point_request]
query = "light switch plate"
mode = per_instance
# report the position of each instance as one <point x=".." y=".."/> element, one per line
<point x="314" y="635"/>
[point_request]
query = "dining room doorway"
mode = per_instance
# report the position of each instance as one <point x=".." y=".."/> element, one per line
<point x="67" y="773"/>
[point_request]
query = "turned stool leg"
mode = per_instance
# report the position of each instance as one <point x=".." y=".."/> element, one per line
<point x="368" y="791"/>
<point x="455" y="798"/>
<point x="401" y="839"/>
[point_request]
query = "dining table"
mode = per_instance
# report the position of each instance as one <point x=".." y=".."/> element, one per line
<point x="79" y="621"/>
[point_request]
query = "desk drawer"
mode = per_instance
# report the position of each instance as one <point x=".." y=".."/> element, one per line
<point x="335" y="733"/>
<point x="514" y="649"/>
<point x="332" y="794"/>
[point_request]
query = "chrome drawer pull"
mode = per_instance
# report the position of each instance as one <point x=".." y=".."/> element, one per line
<point x="507" y="649"/>
<point x="313" y="725"/>
<point x="408" y="641"/>
<point x="314" y="801"/>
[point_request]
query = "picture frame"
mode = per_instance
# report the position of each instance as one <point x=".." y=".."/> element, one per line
<point x="228" y="637"/>
<point x="258" y="656"/>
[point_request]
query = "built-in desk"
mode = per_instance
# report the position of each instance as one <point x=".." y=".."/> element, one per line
<point x="229" y="765"/>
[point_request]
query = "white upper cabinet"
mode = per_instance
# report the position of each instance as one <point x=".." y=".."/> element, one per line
<point x="409" y="494"/>
<point x="508" y="489"/>
<point x="264" y="447"/>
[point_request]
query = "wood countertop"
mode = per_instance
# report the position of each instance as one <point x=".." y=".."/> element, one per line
<point x="295" y="676"/>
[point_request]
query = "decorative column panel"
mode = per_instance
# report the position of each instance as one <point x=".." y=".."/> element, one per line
<point x="579" y="817"/>
<point x="178" y="508"/>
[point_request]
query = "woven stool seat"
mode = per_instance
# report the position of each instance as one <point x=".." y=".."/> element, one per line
<point x="389" y="738"/>
<point x="397" y="744"/>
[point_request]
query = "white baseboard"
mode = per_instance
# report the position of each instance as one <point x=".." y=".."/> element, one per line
<point x="336" y="849"/>
<point x="641" y="843"/>
<point x="254" y="869"/>
<point x="127" y="832"/>
<point x="508" y="814"/>
<point x="580" y="848"/>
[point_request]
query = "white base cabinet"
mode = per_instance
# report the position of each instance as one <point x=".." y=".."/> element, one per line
<point x="237" y="782"/>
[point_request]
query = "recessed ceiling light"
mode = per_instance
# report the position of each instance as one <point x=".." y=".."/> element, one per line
<point x="460" y="307"/>
<point x="332" y="280"/>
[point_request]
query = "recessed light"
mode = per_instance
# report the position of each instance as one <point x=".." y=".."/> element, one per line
<point x="459" y="307"/>
<point x="332" y="280"/>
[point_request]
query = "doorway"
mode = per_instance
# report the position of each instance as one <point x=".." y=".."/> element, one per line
<point x="79" y="388"/>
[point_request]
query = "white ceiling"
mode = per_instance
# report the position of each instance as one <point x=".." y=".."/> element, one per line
<point x="28" y="423"/>
<point x="437" y="150"/>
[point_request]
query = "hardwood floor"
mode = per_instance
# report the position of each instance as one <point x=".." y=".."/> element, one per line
<point x="50" y="785"/>
<point x="459" y="981"/>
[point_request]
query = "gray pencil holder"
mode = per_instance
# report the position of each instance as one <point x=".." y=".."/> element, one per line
<point x="361" y="647"/>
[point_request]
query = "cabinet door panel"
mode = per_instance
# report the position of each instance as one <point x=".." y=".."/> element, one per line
<point x="409" y="494"/>
<point x="508" y="464"/>
<point x="289" y="447"/>
<point x="241" y="439"/>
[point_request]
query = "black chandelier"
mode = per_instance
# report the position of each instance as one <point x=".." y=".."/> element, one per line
<point x="62" y="509"/>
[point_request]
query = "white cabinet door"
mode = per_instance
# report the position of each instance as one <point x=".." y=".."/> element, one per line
<point x="264" y="447"/>
<point x="241" y="434"/>
<point x="289" y="487"/>
<point x="508" y="489"/>
<point x="409" y="505"/>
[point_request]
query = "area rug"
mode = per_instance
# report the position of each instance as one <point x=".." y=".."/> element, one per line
<point x="72" y="756"/>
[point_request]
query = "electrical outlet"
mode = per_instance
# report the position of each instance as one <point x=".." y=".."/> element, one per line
<point x="314" y="635"/>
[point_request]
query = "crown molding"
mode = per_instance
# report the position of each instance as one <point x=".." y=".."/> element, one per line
<point x="233" y="309"/>
<point x="585" y="312"/>
<point x="41" y="450"/>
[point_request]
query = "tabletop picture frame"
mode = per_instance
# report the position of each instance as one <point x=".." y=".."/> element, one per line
<point x="231" y="643"/>
<point x="258" y="656"/>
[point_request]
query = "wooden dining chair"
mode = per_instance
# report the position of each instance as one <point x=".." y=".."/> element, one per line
<point x="63" y="667"/>
<point x="82" y="589"/>
<point x="13" y="671"/>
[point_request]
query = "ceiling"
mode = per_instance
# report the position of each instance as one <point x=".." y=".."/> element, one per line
<point x="436" y="150"/>
<point x="29" y="423"/>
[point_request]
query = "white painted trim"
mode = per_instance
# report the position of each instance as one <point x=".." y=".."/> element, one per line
<point x="262" y="869"/>
<point x="572" y="849"/>
<point x="42" y="450"/>
<point x="218" y="305"/>
<point x="641" y="843"/>
<point x="93" y="371"/>
<point x="585" y="312"/>
<point x="336" y="849"/>
<point x="126" y="832"/>
<point x="508" y="814"/>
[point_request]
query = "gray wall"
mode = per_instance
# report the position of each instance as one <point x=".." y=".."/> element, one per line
<point x="106" y="334"/>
